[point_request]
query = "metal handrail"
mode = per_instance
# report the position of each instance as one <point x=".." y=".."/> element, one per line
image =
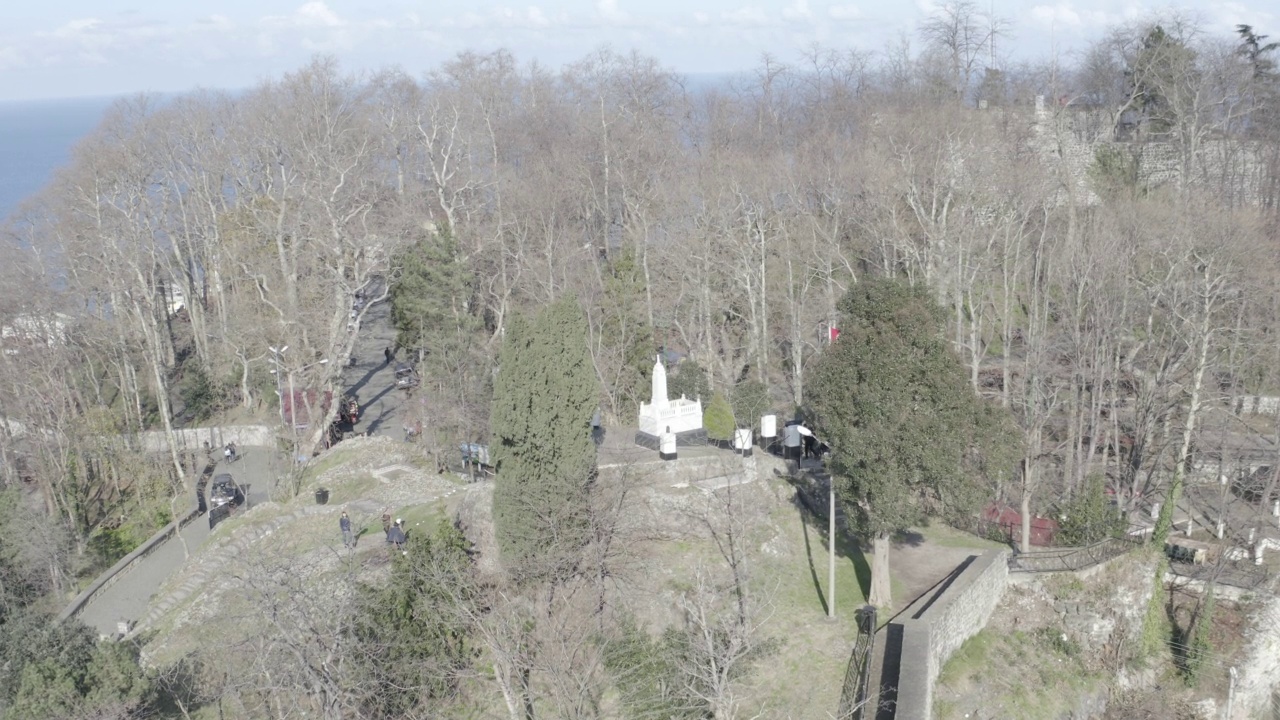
<point x="1064" y="559"/>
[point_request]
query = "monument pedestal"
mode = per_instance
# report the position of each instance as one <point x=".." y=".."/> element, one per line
<point x="681" y="418"/>
<point x="688" y="438"/>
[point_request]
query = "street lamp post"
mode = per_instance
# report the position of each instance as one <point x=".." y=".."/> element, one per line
<point x="276" y="353"/>
<point x="831" y="533"/>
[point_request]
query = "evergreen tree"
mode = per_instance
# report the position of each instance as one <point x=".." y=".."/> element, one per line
<point x="431" y="299"/>
<point x="1090" y="516"/>
<point x="1159" y="78"/>
<point x="543" y="400"/>
<point x="647" y="675"/>
<point x="717" y="418"/>
<point x="689" y="380"/>
<point x="413" y="635"/>
<point x="908" y="436"/>
<point x="750" y="400"/>
<point x="626" y="331"/>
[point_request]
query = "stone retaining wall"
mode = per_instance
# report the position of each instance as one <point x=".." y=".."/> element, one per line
<point x="125" y="564"/>
<point x="939" y="623"/>
<point x="1259" y="667"/>
<point x="193" y="439"/>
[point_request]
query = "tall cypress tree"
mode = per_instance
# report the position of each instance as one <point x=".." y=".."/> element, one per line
<point x="543" y="399"/>
<point x="909" y="437"/>
<point x="431" y="299"/>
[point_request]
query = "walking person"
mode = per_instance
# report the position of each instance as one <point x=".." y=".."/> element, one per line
<point x="395" y="536"/>
<point x="386" y="353"/>
<point x="344" y="523"/>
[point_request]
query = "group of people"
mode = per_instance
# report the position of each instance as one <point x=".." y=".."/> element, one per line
<point x="230" y="452"/>
<point x="394" y="531"/>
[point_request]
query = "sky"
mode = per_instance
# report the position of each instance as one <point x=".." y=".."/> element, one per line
<point x="83" y="48"/>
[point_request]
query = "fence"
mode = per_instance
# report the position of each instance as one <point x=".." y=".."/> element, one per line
<point x="140" y="553"/>
<point x="853" y="694"/>
<point x="1245" y="576"/>
<point x="125" y="564"/>
<point x="1074" y="558"/>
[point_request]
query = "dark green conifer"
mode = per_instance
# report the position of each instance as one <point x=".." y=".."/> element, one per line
<point x="543" y="399"/>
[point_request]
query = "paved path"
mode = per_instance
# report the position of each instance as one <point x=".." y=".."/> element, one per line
<point x="373" y="380"/>
<point x="128" y="597"/>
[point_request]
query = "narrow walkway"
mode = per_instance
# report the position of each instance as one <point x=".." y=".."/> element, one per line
<point x="383" y="408"/>
<point x="128" y="597"/>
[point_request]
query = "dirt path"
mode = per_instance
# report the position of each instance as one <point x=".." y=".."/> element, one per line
<point x="922" y="558"/>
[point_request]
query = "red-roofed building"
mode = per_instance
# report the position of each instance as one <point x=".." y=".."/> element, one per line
<point x="1043" y="530"/>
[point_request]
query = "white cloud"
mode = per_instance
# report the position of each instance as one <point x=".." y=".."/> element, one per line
<point x="531" y="18"/>
<point x="844" y="12"/>
<point x="537" y="18"/>
<point x="10" y="59"/>
<point x="314" y="15"/>
<point x="797" y="10"/>
<point x="1060" y="14"/>
<point x="750" y="15"/>
<point x="701" y="18"/>
<point x="1065" y="14"/>
<point x="609" y="11"/>
<point x="317" y="13"/>
<point x="216" y="22"/>
<point x="77" y="28"/>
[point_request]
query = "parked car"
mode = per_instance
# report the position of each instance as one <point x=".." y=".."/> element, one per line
<point x="225" y="498"/>
<point x="406" y="376"/>
<point x="224" y="491"/>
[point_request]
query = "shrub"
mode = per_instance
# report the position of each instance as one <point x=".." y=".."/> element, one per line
<point x="689" y="380"/>
<point x="201" y="396"/>
<point x="750" y="401"/>
<point x="1090" y="516"/>
<point x="718" y="419"/>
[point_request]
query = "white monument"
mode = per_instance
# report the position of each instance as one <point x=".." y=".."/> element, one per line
<point x="682" y="417"/>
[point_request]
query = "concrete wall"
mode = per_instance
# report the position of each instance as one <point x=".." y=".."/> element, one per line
<point x="193" y="439"/>
<point x="1232" y="167"/>
<point x="939" y="623"/>
<point x="126" y="563"/>
<point x="1259" y="405"/>
<point x="1259" y="667"/>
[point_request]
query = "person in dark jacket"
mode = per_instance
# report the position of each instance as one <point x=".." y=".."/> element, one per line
<point x="344" y="523"/>
<point x="395" y="536"/>
<point x="386" y="353"/>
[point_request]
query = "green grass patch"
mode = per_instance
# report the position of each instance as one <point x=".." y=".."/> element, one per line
<point x="352" y="490"/>
<point x="969" y="660"/>
<point x="947" y="536"/>
<point x="334" y="458"/>
<point x="806" y="575"/>
<point x="1038" y="676"/>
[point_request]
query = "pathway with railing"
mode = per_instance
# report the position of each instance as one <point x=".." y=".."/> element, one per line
<point x="122" y="593"/>
<point x="1068" y="559"/>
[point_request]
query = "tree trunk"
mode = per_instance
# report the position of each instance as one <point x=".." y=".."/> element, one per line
<point x="1165" y="521"/>
<point x="1025" y="508"/>
<point x="881" y="592"/>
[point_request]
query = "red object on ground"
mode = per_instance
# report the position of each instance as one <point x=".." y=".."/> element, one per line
<point x="302" y="400"/>
<point x="1043" y="530"/>
<point x="832" y="334"/>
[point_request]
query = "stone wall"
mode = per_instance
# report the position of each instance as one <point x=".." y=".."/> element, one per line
<point x="1233" y="168"/>
<point x="1259" y="404"/>
<point x="1259" y="667"/>
<point x="193" y="439"/>
<point x="937" y="624"/>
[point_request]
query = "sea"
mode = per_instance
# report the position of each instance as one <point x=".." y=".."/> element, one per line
<point x="36" y="137"/>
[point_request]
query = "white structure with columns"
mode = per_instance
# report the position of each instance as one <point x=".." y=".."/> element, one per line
<point x="682" y="416"/>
